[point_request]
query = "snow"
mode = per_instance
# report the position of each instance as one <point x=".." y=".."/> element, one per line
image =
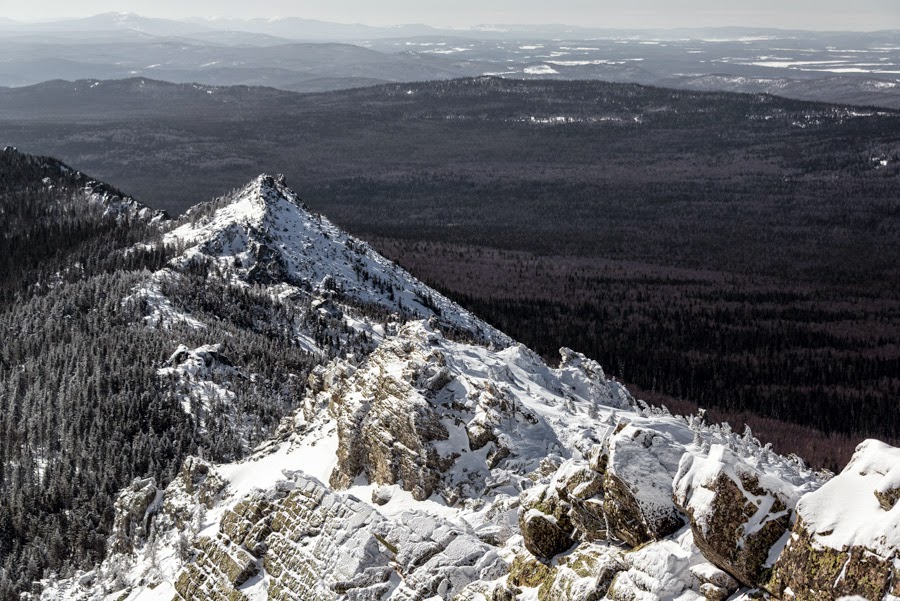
<point x="534" y="411"/>
<point x="845" y="512"/>
<point x="267" y="218"/>
<point x="541" y="70"/>
<point x="661" y="570"/>
<point x="162" y="312"/>
<point x="559" y="412"/>
<point x="315" y="456"/>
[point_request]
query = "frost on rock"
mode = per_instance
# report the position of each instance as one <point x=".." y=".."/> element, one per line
<point x="659" y="570"/>
<point x="457" y="471"/>
<point x="151" y="540"/>
<point x="438" y="417"/>
<point x="641" y="464"/>
<point x="846" y="541"/>
<point x="738" y="512"/>
<point x="583" y="575"/>
<point x="134" y="508"/>
<point x="201" y="378"/>
<point x="553" y="515"/>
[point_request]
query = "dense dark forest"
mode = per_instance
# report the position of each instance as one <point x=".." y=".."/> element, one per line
<point x="747" y="184"/>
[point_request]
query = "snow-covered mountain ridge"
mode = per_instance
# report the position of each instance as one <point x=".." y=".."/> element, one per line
<point x="264" y="234"/>
<point x="439" y="460"/>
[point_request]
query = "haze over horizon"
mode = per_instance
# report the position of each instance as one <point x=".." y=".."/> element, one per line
<point x="640" y="14"/>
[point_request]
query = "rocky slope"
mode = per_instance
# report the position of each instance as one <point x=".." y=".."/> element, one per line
<point x="310" y="285"/>
<point x="446" y="462"/>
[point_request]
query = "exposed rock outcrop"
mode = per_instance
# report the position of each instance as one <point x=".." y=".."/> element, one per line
<point x="845" y="542"/>
<point x="408" y="415"/>
<point x="554" y="514"/>
<point x="737" y="512"/>
<point x="640" y="466"/>
<point x="315" y="545"/>
<point x="132" y="519"/>
<point x="583" y="575"/>
<point x="714" y="584"/>
<point x="386" y="426"/>
<point x="658" y="570"/>
<point x="197" y="483"/>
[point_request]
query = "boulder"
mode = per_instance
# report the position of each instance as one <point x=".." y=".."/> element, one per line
<point x="544" y="536"/>
<point x="584" y="575"/>
<point x="845" y="542"/>
<point x="737" y="512"/>
<point x="568" y="507"/>
<point x="714" y="584"/>
<point x="640" y="466"/>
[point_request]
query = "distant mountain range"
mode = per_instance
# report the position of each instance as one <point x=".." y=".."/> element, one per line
<point x="306" y="55"/>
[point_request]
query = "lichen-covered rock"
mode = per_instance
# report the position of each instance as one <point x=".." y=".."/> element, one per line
<point x="584" y="575"/>
<point x="544" y="536"/>
<point x="844" y="541"/>
<point x="529" y="572"/>
<point x="806" y="571"/>
<point x="568" y="507"/>
<point x="132" y="519"/>
<point x="737" y="512"/>
<point x="640" y="467"/>
<point x="248" y="524"/>
<point x="385" y="427"/>
<point x="544" y="521"/>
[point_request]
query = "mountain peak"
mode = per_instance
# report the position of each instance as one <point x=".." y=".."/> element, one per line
<point x="263" y="234"/>
<point x="272" y="190"/>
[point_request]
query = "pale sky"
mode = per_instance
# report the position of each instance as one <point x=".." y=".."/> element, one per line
<point x="794" y="14"/>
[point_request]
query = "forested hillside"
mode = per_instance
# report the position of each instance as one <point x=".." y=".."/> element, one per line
<point x="736" y="251"/>
<point x="83" y="408"/>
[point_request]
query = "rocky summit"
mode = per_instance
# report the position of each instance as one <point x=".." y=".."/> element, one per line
<point x="435" y="458"/>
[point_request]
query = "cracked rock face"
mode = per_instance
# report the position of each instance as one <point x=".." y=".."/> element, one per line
<point x="569" y="507"/>
<point x="386" y="425"/>
<point x="583" y="575"/>
<point x="409" y="417"/>
<point x="316" y="545"/>
<point x="132" y="509"/>
<point x="737" y="512"/>
<point x="197" y="483"/>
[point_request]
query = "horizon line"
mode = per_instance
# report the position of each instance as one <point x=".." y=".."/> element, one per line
<point x="460" y="28"/>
